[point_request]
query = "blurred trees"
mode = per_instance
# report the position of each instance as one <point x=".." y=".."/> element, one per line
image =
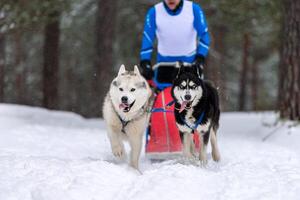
<point x="96" y="36"/>
<point x="244" y="71"/>
<point x="2" y="54"/>
<point x="289" y="91"/>
<point x="2" y="66"/>
<point x="21" y="19"/>
<point x="105" y="35"/>
<point x="51" y="61"/>
<point x="241" y="29"/>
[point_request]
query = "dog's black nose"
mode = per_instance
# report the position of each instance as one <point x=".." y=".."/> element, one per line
<point x="124" y="99"/>
<point x="187" y="97"/>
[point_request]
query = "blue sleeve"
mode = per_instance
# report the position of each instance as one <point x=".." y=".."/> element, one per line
<point x="200" y="25"/>
<point x="148" y="35"/>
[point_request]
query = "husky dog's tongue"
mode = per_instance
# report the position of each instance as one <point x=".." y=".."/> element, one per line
<point x="183" y="106"/>
<point x="124" y="106"/>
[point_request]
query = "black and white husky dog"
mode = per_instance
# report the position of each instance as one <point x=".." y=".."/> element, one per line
<point x="196" y="111"/>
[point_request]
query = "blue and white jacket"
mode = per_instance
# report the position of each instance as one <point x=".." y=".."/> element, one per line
<point x="180" y="36"/>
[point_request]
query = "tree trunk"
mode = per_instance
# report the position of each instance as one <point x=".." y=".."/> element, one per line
<point x="244" y="72"/>
<point x="105" y="29"/>
<point x="20" y="71"/>
<point x="51" y="62"/>
<point x="219" y="75"/>
<point x="290" y="62"/>
<point x="254" y="84"/>
<point x="2" y="66"/>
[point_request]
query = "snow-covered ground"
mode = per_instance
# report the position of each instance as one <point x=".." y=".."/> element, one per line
<point x="50" y="155"/>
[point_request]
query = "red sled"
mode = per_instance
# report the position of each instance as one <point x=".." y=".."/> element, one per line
<point x="163" y="138"/>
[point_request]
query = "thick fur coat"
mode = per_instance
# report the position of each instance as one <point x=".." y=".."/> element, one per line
<point x="125" y="112"/>
<point x="196" y="112"/>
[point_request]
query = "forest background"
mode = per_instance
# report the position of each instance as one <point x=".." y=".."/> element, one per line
<point x="63" y="54"/>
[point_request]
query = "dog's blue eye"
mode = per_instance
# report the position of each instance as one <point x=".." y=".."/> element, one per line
<point x="132" y="90"/>
<point x="121" y="89"/>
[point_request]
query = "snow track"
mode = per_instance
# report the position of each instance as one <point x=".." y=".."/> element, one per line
<point x="47" y="155"/>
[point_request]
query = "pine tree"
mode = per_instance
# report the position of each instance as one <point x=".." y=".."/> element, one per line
<point x="2" y="64"/>
<point x="51" y="61"/>
<point x="289" y="91"/>
<point x="104" y="64"/>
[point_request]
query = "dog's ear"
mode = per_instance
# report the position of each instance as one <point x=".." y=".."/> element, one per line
<point x="198" y="70"/>
<point x="136" y="70"/>
<point x="181" y="69"/>
<point x="122" y="70"/>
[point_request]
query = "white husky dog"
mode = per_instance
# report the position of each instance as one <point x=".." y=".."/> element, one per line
<point x="126" y="112"/>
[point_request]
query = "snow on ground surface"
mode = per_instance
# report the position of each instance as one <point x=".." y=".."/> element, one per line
<point x="50" y="155"/>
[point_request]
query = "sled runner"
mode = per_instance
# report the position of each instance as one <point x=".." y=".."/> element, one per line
<point x="163" y="138"/>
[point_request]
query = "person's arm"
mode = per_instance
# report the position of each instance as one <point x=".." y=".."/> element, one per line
<point x="148" y="35"/>
<point x="203" y="41"/>
<point x="147" y="44"/>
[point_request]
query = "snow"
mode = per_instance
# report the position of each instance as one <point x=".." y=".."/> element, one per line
<point x="51" y="155"/>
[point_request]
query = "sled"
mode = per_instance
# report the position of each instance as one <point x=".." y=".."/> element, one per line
<point x="162" y="136"/>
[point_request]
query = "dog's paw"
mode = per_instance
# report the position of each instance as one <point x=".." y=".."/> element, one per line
<point x="188" y="155"/>
<point x="189" y="161"/>
<point x="203" y="163"/>
<point x="118" y="151"/>
<point x="134" y="165"/>
<point x="216" y="156"/>
<point x="203" y="159"/>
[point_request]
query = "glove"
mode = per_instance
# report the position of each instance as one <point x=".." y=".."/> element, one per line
<point x="198" y="65"/>
<point x="146" y="69"/>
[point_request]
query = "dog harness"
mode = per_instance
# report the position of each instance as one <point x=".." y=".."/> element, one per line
<point x="163" y="109"/>
<point x="144" y="110"/>
<point x="193" y="127"/>
<point x="124" y="124"/>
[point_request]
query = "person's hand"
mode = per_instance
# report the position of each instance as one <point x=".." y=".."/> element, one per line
<point x="198" y="64"/>
<point x="146" y="69"/>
